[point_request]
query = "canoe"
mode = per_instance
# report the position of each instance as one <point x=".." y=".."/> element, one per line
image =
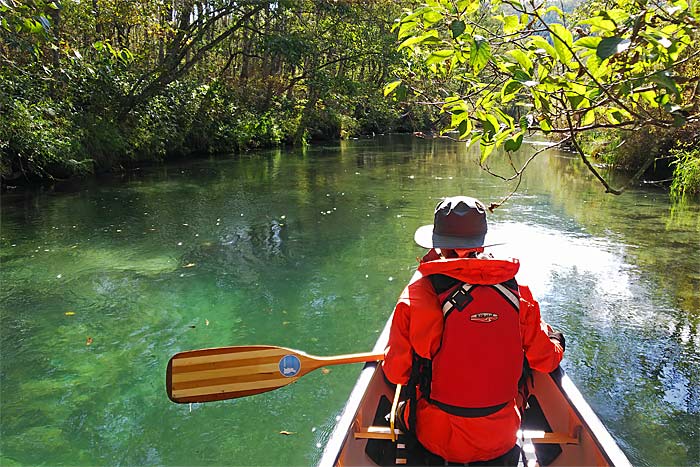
<point x="559" y="427"/>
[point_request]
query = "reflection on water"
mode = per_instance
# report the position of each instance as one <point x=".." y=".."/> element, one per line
<point x="310" y="250"/>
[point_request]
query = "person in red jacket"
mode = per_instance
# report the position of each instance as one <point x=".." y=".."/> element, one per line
<point x="461" y="334"/>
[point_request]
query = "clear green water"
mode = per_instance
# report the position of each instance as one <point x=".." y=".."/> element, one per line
<point x="310" y="251"/>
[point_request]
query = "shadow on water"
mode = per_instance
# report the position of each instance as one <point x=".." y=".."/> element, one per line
<point x="102" y="283"/>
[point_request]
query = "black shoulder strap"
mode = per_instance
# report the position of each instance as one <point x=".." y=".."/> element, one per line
<point x="441" y="282"/>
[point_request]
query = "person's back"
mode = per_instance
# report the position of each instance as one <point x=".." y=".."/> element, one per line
<point x="459" y="333"/>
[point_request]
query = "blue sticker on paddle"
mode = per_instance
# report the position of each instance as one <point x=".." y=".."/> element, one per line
<point x="290" y="365"/>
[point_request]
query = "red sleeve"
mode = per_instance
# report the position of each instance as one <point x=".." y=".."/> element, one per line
<point x="416" y="325"/>
<point x="398" y="356"/>
<point x="542" y="353"/>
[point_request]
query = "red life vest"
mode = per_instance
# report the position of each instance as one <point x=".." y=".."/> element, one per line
<point x="476" y="370"/>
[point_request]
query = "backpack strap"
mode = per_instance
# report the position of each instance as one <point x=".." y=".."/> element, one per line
<point x="459" y="293"/>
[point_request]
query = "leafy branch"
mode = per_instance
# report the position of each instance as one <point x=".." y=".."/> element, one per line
<point x="516" y="68"/>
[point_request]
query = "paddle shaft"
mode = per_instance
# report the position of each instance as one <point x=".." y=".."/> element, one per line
<point x="230" y="372"/>
<point x="351" y="358"/>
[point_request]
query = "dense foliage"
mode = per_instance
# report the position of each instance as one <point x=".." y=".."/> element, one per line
<point x="92" y="85"/>
<point x="504" y="69"/>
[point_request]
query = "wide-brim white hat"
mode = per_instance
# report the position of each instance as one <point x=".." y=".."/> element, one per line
<point x="460" y="222"/>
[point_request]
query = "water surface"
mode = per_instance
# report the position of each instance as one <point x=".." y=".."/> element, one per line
<point x="101" y="284"/>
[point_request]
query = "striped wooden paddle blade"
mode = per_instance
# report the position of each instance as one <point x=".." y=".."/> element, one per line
<point x="229" y="372"/>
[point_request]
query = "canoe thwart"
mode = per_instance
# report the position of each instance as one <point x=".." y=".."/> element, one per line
<point x="377" y="432"/>
<point x="536" y="436"/>
<point x="542" y="437"/>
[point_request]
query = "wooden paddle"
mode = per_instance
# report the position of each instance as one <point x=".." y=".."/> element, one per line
<point x="229" y="372"/>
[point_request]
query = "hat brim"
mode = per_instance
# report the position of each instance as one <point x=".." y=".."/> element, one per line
<point x="426" y="238"/>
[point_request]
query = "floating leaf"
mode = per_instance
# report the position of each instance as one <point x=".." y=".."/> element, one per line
<point x="89" y="341"/>
<point x="189" y="265"/>
<point x="206" y="322"/>
<point x="325" y="371"/>
<point x="287" y="433"/>
<point x="69" y="313"/>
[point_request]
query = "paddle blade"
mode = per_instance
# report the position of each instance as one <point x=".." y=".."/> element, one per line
<point x="229" y="372"/>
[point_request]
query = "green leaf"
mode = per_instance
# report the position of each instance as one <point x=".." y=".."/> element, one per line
<point x="486" y="149"/>
<point x="414" y="15"/>
<point x="522" y="58"/>
<point x="650" y="98"/>
<point x="454" y="104"/>
<point x="468" y="7"/>
<point x="555" y="9"/>
<point x="514" y="143"/>
<point x="465" y="127"/>
<point x="615" y="116"/>
<point x="511" y="24"/>
<point x="506" y="118"/>
<point x="439" y="56"/>
<point x="509" y="90"/>
<point x="617" y="15"/>
<point x="665" y="80"/>
<point x="611" y="46"/>
<point x="563" y="40"/>
<point x="575" y="100"/>
<point x="539" y="42"/>
<point x="457" y="27"/>
<point x="587" y="42"/>
<point x="545" y="125"/>
<point x="401" y="93"/>
<point x="432" y="34"/>
<point x="126" y="56"/>
<point x="431" y="16"/>
<point x="406" y="29"/>
<point x="600" y="24"/>
<point x="525" y="122"/>
<point x="479" y="54"/>
<point x="491" y="125"/>
<point x="521" y="76"/>
<point x="391" y="87"/>
<point x="458" y="118"/>
<point x="588" y="118"/>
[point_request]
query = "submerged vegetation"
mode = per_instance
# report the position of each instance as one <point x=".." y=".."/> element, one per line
<point x="94" y="86"/>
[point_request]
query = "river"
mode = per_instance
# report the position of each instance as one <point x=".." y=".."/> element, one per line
<point x="102" y="282"/>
